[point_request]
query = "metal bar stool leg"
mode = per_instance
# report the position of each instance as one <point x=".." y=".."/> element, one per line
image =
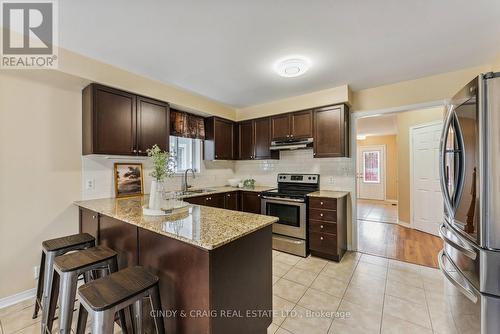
<point x="39" y="289"/>
<point x="67" y="296"/>
<point x="156" y="309"/>
<point x="47" y="286"/>
<point x="50" y="311"/>
<point x="82" y="320"/>
<point x="103" y="322"/>
<point x="138" y="315"/>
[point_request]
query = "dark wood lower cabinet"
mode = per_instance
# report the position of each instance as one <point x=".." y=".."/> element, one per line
<point x="120" y="237"/>
<point x="232" y="201"/>
<point x="328" y="227"/>
<point x="89" y="223"/>
<point x="250" y="202"/>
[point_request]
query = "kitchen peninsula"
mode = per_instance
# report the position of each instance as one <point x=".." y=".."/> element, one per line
<point x="214" y="264"/>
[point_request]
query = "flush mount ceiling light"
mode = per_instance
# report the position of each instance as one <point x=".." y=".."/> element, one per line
<point x="292" y="66"/>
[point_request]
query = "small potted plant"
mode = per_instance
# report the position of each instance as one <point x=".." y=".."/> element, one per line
<point x="163" y="167"/>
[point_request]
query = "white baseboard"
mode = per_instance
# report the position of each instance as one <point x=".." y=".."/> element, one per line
<point x="17" y="298"/>
<point x="403" y="223"/>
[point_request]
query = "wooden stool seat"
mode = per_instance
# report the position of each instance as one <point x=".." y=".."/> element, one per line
<point x="83" y="258"/>
<point x="124" y="289"/>
<point x="74" y="240"/>
<point x="112" y="290"/>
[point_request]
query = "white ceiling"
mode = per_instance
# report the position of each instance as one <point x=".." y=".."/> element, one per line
<point x="377" y="126"/>
<point x="225" y="49"/>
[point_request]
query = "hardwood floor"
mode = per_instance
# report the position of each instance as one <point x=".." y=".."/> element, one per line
<point x="397" y="242"/>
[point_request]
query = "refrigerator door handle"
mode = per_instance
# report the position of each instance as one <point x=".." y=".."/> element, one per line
<point x="460" y="245"/>
<point x="464" y="287"/>
<point x="442" y="162"/>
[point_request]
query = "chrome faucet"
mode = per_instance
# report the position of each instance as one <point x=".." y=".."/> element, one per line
<point x="184" y="185"/>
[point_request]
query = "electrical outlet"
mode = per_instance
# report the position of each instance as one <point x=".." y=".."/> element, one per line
<point x="90" y="184"/>
<point x="36" y="271"/>
<point x="331" y="180"/>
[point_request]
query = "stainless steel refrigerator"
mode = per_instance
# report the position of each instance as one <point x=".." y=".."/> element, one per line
<point x="470" y="182"/>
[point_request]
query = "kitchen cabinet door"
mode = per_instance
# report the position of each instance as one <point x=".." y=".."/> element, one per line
<point x="217" y="201"/>
<point x="331" y="132"/>
<point x="198" y="200"/>
<point x="89" y="223"/>
<point x="120" y="237"/>
<point x="152" y="124"/>
<point x="218" y="143"/>
<point x="301" y="124"/>
<point x="262" y="139"/>
<point x="246" y="140"/>
<point x="109" y="121"/>
<point x="250" y="202"/>
<point x="231" y="201"/>
<point x="280" y="127"/>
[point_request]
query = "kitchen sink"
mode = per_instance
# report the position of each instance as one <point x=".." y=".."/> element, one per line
<point x="195" y="191"/>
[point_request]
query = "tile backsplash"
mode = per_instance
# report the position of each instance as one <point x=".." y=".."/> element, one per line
<point x="336" y="173"/>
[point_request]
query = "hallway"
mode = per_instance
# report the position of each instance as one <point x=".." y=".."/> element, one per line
<point x="379" y="234"/>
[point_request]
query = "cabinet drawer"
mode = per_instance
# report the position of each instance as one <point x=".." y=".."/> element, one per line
<point x="323" y="242"/>
<point x="324" y="215"/>
<point x="322" y="227"/>
<point x="323" y="203"/>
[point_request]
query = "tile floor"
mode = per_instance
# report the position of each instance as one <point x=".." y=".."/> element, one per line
<point x="361" y="294"/>
<point x="377" y="211"/>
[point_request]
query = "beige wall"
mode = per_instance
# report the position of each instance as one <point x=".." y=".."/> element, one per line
<point x="391" y="180"/>
<point x="406" y="120"/>
<point x="496" y="65"/>
<point x="428" y="89"/>
<point x="320" y="98"/>
<point x="40" y="167"/>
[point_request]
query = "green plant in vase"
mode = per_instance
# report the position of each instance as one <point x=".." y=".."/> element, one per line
<point x="163" y="167"/>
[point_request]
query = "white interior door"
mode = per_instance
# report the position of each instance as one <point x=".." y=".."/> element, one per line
<point x="371" y="172"/>
<point x="425" y="192"/>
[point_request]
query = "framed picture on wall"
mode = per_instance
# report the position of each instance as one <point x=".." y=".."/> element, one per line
<point x="128" y="179"/>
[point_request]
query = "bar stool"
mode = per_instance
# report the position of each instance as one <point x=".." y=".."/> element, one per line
<point x="50" y="249"/>
<point x="104" y="297"/>
<point x="67" y="268"/>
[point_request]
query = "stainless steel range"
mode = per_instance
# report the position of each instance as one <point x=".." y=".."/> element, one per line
<point x="289" y="204"/>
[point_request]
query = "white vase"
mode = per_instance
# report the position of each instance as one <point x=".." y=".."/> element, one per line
<point x="155" y="196"/>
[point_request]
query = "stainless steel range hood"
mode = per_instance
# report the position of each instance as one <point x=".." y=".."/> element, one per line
<point x="285" y="145"/>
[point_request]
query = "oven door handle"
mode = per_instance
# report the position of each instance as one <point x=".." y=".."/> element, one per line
<point x="460" y="245"/>
<point x="283" y="199"/>
<point x="467" y="290"/>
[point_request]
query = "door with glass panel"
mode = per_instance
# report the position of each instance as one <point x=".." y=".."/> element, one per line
<point x="371" y="172"/>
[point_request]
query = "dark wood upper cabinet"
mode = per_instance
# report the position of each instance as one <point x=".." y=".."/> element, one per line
<point x="331" y="132"/>
<point x="296" y="125"/>
<point x="301" y="124"/>
<point x="219" y="140"/>
<point x="121" y="123"/>
<point x="262" y="138"/>
<point x="280" y="127"/>
<point x="245" y="139"/>
<point x="255" y="140"/>
<point x="152" y="124"/>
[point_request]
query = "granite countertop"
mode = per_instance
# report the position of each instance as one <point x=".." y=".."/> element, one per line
<point x="204" y="227"/>
<point x="225" y="189"/>
<point x="329" y="194"/>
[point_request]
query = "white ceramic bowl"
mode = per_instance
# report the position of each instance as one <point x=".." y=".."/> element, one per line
<point x="233" y="182"/>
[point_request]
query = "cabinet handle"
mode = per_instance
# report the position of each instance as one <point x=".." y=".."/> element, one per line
<point x="135" y="151"/>
<point x="321" y="226"/>
<point x="216" y="156"/>
<point x="321" y="238"/>
<point x="228" y="195"/>
<point x="94" y="217"/>
<point x="321" y="215"/>
<point x="321" y="203"/>
<point x="140" y="151"/>
<point x="314" y="154"/>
